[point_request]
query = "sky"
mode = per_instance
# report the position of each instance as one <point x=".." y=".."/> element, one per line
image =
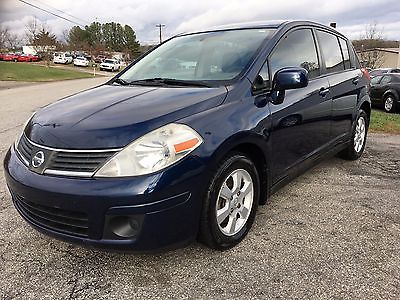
<point x="182" y="16"/>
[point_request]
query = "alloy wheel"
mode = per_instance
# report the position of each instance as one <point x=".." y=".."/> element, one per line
<point x="235" y="201"/>
<point x="389" y="104"/>
<point x="359" y="137"/>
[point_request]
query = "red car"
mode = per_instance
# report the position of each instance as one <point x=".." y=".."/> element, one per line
<point x="34" y="57"/>
<point x="10" y="57"/>
<point x="23" y="58"/>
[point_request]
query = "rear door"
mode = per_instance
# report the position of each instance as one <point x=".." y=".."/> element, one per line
<point x="344" y="82"/>
<point x="301" y="124"/>
<point x="374" y="90"/>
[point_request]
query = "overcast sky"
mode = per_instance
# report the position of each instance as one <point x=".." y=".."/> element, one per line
<point x="179" y="16"/>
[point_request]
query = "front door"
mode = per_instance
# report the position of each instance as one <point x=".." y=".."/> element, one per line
<point x="301" y="124"/>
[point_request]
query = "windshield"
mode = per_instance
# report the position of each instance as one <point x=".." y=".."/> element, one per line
<point x="211" y="56"/>
<point x="109" y="61"/>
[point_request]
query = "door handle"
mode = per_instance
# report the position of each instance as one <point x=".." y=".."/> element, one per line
<point x="356" y="80"/>
<point x="323" y="91"/>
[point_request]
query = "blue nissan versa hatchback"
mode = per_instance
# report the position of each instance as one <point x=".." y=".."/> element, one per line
<point x="188" y="140"/>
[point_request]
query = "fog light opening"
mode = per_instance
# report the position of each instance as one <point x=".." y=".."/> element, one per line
<point x="125" y="226"/>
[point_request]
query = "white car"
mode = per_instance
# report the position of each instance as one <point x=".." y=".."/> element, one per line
<point x="110" y="65"/>
<point x="81" y="61"/>
<point x="62" y="58"/>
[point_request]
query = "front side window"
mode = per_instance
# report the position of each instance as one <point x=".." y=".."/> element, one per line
<point x="296" y="49"/>
<point x="331" y="51"/>
<point x="375" y="80"/>
<point x="210" y="56"/>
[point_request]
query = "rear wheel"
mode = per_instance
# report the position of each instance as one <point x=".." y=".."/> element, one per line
<point x="359" y="136"/>
<point x="389" y="104"/>
<point x="231" y="203"/>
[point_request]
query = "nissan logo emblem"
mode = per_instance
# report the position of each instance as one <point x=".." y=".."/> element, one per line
<point x="38" y="159"/>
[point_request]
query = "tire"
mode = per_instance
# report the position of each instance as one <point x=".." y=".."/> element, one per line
<point x="222" y="234"/>
<point x="389" y="104"/>
<point x="358" y="137"/>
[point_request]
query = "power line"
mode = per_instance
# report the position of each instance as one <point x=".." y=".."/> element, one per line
<point x="61" y="11"/>
<point x="54" y="14"/>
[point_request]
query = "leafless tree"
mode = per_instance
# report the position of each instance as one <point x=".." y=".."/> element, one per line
<point x="13" y="41"/>
<point x="32" y="29"/>
<point x="4" y="33"/>
<point x="371" y="39"/>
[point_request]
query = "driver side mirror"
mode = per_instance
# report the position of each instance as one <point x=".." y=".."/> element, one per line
<point x="287" y="79"/>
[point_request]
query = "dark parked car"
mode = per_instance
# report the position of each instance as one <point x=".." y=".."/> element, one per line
<point x="383" y="71"/>
<point x="187" y="141"/>
<point x="385" y="91"/>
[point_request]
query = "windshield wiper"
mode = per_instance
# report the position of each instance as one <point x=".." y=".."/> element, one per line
<point x="121" y="81"/>
<point x="170" y="81"/>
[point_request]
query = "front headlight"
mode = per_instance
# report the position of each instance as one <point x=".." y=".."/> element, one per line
<point x="153" y="152"/>
<point x="19" y="136"/>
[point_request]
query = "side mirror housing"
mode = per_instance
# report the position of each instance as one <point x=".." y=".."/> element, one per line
<point x="287" y="79"/>
<point x="290" y="78"/>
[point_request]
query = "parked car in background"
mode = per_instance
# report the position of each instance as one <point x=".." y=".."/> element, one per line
<point x="99" y="59"/>
<point x="81" y="61"/>
<point x="163" y="154"/>
<point x="23" y="58"/>
<point x="10" y="57"/>
<point x="34" y="57"/>
<point x="382" y="71"/>
<point x="385" y="91"/>
<point x="62" y="58"/>
<point x="110" y="65"/>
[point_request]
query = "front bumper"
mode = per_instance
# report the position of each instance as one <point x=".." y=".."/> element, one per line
<point x="165" y="207"/>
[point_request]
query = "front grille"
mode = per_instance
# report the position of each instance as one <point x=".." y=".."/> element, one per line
<point x="64" y="162"/>
<point x="78" y="162"/>
<point x="25" y="148"/>
<point x="57" y="219"/>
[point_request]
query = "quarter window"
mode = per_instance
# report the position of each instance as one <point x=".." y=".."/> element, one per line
<point x="297" y="49"/>
<point x="345" y="52"/>
<point x="331" y="51"/>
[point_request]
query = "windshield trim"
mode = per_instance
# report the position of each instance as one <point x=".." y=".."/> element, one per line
<point x="212" y="83"/>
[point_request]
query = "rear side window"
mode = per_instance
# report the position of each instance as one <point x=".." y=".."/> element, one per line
<point x="331" y="52"/>
<point x="345" y="52"/>
<point x="296" y="49"/>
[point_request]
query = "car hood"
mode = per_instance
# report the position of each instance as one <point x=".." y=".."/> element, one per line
<point x="111" y="116"/>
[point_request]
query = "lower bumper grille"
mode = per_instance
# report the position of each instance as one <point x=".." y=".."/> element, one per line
<point x="61" y="220"/>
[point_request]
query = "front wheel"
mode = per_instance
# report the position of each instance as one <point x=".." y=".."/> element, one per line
<point x="231" y="203"/>
<point x="358" y="139"/>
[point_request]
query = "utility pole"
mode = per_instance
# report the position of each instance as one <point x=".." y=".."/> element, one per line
<point x="160" y="26"/>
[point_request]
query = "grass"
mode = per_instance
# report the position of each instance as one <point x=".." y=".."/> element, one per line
<point x="34" y="73"/>
<point x="384" y="122"/>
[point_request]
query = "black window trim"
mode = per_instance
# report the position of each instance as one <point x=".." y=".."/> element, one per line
<point x="267" y="60"/>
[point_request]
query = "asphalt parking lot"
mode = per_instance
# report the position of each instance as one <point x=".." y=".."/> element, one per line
<point x="333" y="233"/>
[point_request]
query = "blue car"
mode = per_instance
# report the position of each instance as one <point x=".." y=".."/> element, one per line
<point x="188" y="140"/>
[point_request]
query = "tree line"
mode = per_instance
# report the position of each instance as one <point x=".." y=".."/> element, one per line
<point x="94" y="38"/>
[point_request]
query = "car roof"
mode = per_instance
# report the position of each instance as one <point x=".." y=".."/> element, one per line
<point x="273" y="24"/>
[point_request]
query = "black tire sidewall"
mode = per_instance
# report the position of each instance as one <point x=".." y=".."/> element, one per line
<point x="237" y="161"/>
